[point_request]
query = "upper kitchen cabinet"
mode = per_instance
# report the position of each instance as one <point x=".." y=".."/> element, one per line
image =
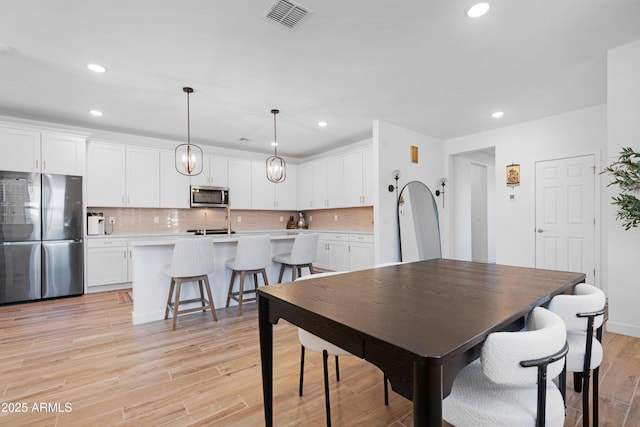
<point x="358" y="179"/>
<point x="106" y="174"/>
<point x="305" y="187"/>
<point x="119" y="175"/>
<point x="268" y="195"/>
<point x="143" y="177"/>
<point x="214" y="173"/>
<point x="327" y="183"/>
<point x="240" y="184"/>
<point x="32" y="151"/>
<point x="174" y="187"/>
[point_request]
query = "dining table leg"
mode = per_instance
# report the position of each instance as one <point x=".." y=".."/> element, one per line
<point x="266" y="356"/>
<point x="427" y="395"/>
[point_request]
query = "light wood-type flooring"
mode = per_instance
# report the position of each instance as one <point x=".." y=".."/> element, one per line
<point x="80" y="362"/>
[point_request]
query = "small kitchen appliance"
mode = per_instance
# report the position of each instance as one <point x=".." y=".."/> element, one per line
<point x="302" y="223"/>
<point x="95" y="224"/>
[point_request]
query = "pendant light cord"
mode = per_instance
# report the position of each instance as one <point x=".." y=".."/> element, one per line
<point x="275" y="139"/>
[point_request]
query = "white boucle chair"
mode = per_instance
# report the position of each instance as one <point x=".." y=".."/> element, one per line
<point x="317" y="344"/>
<point x="510" y="385"/>
<point x="303" y="254"/>
<point x="253" y="256"/>
<point x="583" y="313"/>
<point x="192" y="261"/>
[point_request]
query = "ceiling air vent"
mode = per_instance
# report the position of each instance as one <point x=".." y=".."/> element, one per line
<point x="287" y="13"/>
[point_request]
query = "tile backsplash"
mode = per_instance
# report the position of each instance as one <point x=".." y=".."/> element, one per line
<point x="156" y="220"/>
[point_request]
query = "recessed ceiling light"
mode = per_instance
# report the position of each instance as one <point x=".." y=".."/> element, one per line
<point x="478" y="10"/>
<point x="96" y="68"/>
<point x="95" y="113"/>
<point x="322" y="124"/>
<point x="497" y="114"/>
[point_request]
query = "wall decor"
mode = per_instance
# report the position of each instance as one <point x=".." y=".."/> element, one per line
<point x="513" y="175"/>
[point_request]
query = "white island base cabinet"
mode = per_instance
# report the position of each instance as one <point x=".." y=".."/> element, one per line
<point x="150" y="287"/>
<point x="344" y="251"/>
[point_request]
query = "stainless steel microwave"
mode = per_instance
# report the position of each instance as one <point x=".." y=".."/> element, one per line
<point x="209" y="197"/>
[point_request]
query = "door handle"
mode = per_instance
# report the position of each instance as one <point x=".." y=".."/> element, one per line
<point x="540" y="230"/>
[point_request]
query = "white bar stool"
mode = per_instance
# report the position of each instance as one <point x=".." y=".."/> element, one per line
<point x="192" y="261"/>
<point x="303" y="253"/>
<point x="253" y="256"/>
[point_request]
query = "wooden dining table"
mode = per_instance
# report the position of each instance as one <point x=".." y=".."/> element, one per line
<point x="419" y="322"/>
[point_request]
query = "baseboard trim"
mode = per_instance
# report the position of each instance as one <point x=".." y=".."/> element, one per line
<point x="623" y="329"/>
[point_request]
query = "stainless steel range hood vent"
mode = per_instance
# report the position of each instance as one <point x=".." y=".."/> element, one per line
<point x="287" y="13"/>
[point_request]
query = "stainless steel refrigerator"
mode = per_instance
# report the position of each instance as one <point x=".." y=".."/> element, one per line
<point x="41" y="244"/>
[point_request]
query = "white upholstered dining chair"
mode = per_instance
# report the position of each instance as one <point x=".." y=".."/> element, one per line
<point x="317" y="344"/>
<point x="510" y="385"/>
<point x="583" y="315"/>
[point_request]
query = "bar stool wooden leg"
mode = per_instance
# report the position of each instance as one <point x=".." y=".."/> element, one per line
<point x="242" y="274"/>
<point x="264" y="277"/>
<point x="211" y="307"/>
<point x="166" y="310"/>
<point x="282" y="267"/>
<point x="233" y="279"/>
<point x="176" y="302"/>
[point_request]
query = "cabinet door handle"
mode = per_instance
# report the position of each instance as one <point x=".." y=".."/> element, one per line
<point x="125" y="254"/>
<point x="44" y="165"/>
<point x="37" y="167"/>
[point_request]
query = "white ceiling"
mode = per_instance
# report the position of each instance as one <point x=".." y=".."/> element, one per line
<point x="420" y="64"/>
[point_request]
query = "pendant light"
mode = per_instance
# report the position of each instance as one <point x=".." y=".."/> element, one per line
<point x="276" y="166"/>
<point x="188" y="159"/>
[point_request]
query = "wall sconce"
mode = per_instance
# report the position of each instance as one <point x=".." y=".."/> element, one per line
<point x="443" y="183"/>
<point x="396" y="175"/>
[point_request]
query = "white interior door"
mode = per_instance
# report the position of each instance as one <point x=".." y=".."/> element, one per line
<point x="565" y="215"/>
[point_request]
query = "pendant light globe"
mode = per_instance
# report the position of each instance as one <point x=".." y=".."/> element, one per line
<point x="276" y="165"/>
<point x="188" y="157"/>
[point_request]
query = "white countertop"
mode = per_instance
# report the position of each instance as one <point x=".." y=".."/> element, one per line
<point x="134" y="237"/>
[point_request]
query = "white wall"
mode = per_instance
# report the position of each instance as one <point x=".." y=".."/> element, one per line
<point x="391" y="151"/>
<point x="571" y="134"/>
<point x="623" y="112"/>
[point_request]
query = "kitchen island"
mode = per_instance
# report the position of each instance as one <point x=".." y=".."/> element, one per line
<point x="150" y="287"/>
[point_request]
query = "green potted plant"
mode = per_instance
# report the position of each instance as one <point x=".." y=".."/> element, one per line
<point x="626" y="173"/>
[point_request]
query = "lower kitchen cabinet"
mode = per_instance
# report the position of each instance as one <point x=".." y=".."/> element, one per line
<point x="107" y="262"/>
<point x="360" y="251"/>
<point x="344" y="252"/>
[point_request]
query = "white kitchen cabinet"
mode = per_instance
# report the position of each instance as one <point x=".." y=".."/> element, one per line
<point x="33" y="151"/>
<point x="174" y="187"/>
<point x="120" y="175"/>
<point x="305" y="187"/>
<point x="358" y="179"/>
<point x="142" y="177"/>
<point x="333" y="251"/>
<point x="327" y="183"/>
<point x="214" y="173"/>
<point x="287" y="191"/>
<point x="360" y="251"/>
<point x="240" y="184"/>
<point x="62" y="154"/>
<point x="269" y="195"/>
<point x="263" y="191"/>
<point x="106" y="180"/>
<point x="107" y="262"/>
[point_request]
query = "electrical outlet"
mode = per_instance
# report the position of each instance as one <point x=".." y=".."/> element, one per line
<point x="156" y="220"/>
<point x="281" y="218"/>
<point x="112" y="220"/>
<point x="239" y="219"/>
<point x="310" y="217"/>
<point x="335" y="217"/>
